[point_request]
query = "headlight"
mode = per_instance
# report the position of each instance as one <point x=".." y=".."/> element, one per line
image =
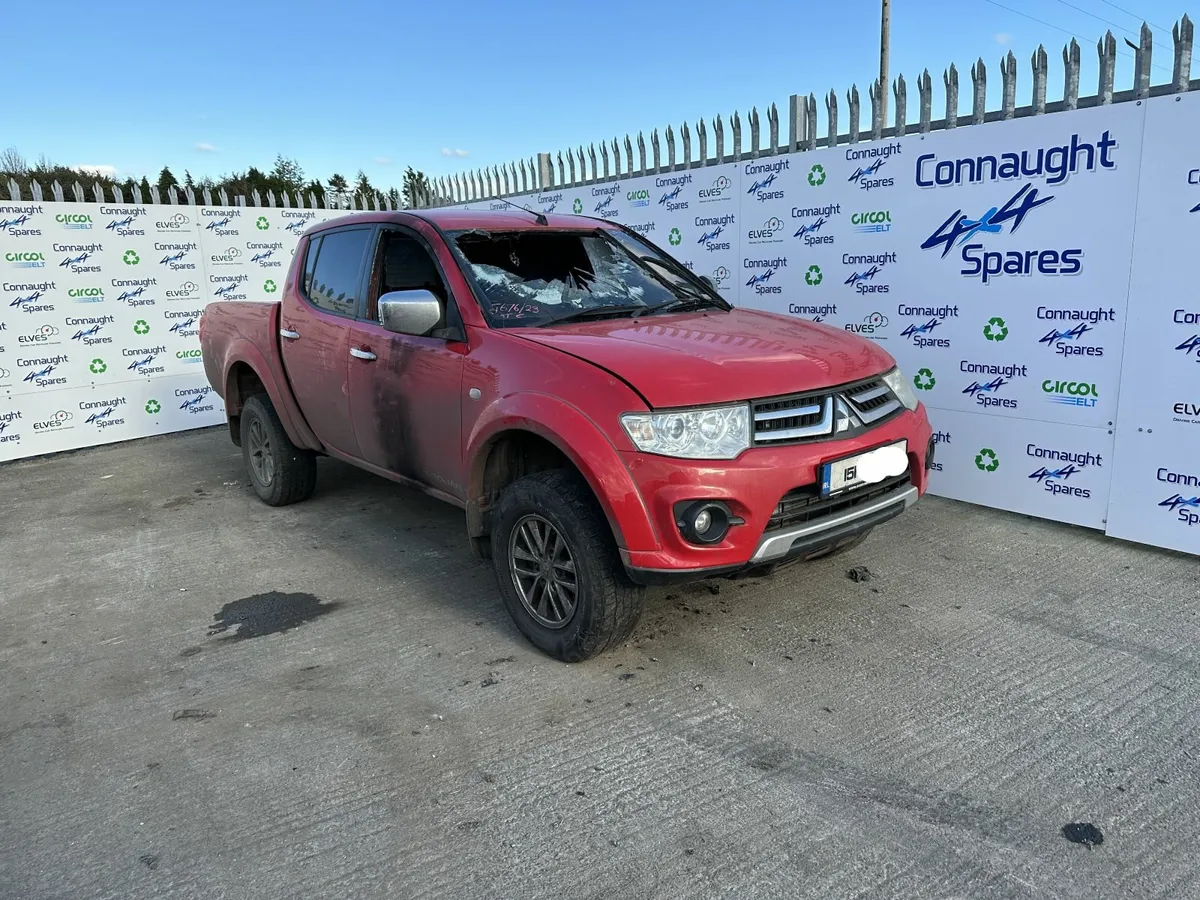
<point x="900" y="387"/>
<point x="720" y="432"/>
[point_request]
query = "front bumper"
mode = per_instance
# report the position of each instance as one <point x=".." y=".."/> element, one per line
<point x="753" y="486"/>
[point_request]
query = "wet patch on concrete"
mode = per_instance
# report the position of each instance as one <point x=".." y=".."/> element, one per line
<point x="271" y="613"/>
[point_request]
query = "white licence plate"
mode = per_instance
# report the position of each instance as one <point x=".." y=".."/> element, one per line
<point x="870" y="467"/>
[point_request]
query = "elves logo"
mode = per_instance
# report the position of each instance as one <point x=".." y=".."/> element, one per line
<point x="717" y="191"/>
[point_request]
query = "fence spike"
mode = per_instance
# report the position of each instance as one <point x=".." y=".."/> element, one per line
<point x="773" y="129"/>
<point x="1071" y="75"/>
<point x="656" y="150"/>
<point x="831" y="113"/>
<point x="604" y="156"/>
<point x="616" y="149"/>
<point x="641" y="144"/>
<point x="735" y="126"/>
<point x="592" y="157"/>
<point x="810" y="119"/>
<point x="270" y="197"/>
<point x="545" y="172"/>
<point x="57" y="192"/>
<point x="719" y="138"/>
<point x="154" y="197"/>
<point x="77" y="190"/>
<point x="755" y="132"/>
<point x="562" y="172"/>
<point x="702" y="136"/>
<point x="118" y="195"/>
<point x="950" y="79"/>
<point x="1106" y="47"/>
<point x="925" y="96"/>
<point x="669" y="134"/>
<point x="685" y="134"/>
<point x="900" y="93"/>
<point x="35" y="190"/>
<point x="14" y="190"/>
<point x="571" y="165"/>
<point x="1142" y="59"/>
<point x="257" y="198"/>
<point x="796" y="124"/>
<point x="629" y="156"/>
<point x="1040" y="63"/>
<point x="853" y="108"/>
<point x="1182" y="34"/>
<point x="979" y="90"/>
<point x="875" y="95"/>
<point x="1008" y="82"/>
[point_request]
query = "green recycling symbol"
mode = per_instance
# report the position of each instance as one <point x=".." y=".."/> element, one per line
<point x="141" y="326"/>
<point x="131" y="258"/>
<point x="153" y="407"/>
<point x="813" y="276"/>
<point x="986" y="460"/>
<point x="924" y="380"/>
<point x="262" y="224"/>
<point x="269" y="286"/>
<point x="98" y="367"/>
<point x="995" y="329"/>
<point x="675" y="237"/>
<point x="577" y="206"/>
<point x="816" y="175"/>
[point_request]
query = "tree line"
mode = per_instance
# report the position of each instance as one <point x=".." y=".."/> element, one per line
<point x="285" y="175"/>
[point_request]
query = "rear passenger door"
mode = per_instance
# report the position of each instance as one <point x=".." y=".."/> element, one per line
<point x="315" y="331"/>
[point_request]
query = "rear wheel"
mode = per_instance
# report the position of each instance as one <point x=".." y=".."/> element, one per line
<point x="558" y="569"/>
<point x="280" y="472"/>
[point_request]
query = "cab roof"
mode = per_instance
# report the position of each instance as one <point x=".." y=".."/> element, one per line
<point x="507" y="219"/>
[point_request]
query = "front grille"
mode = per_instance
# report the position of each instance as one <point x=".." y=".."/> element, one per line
<point x="804" y="504"/>
<point x="821" y="415"/>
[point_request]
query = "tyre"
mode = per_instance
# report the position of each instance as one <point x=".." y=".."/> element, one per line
<point x="558" y="569"/>
<point x="280" y="472"/>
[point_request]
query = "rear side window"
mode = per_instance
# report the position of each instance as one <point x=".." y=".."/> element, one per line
<point x="336" y="267"/>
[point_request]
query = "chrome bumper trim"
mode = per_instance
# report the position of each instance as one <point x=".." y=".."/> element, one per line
<point x="778" y="544"/>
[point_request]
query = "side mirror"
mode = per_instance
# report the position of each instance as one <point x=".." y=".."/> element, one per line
<point x="708" y="281"/>
<point x="410" y="312"/>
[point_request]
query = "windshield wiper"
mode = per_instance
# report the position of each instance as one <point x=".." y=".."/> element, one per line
<point x="596" y="312"/>
<point x="684" y="304"/>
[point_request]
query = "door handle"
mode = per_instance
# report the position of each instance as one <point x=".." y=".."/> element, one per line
<point x="358" y="353"/>
<point x="289" y="334"/>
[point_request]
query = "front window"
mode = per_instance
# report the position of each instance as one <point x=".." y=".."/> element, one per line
<point x="543" y="276"/>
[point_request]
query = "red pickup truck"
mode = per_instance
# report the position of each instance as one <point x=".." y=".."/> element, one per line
<point x="603" y="416"/>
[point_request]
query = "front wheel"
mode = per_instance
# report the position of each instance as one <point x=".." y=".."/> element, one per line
<point x="558" y="569"/>
<point x="280" y="472"/>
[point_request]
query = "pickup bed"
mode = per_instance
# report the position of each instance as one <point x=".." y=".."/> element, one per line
<point x="605" y="419"/>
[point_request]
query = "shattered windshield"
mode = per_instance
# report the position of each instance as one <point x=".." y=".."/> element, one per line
<point x="542" y="276"/>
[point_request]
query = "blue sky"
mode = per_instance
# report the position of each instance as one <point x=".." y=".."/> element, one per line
<point x="447" y="86"/>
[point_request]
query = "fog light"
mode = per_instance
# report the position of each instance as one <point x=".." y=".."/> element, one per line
<point x="704" y="521"/>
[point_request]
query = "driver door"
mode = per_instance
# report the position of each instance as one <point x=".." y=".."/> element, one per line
<point x="406" y="390"/>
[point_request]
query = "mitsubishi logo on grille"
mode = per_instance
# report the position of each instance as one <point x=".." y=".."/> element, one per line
<point x="844" y="417"/>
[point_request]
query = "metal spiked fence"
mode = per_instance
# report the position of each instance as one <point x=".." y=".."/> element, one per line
<point x="576" y="167"/>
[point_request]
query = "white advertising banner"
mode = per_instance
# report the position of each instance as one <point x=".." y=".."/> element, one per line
<point x="1156" y="493"/>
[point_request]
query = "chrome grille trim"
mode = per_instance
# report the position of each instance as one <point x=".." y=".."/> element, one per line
<point x="844" y="410"/>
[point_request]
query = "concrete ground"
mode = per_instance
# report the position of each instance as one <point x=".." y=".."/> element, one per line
<point x="203" y="697"/>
